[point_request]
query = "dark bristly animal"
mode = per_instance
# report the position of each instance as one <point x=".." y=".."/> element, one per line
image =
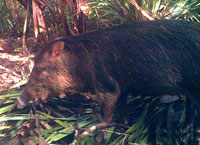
<point x="148" y="58"/>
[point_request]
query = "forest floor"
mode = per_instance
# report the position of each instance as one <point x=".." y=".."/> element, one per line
<point x="14" y="65"/>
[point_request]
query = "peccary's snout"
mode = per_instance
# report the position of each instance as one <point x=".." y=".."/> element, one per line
<point x="21" y="103"/>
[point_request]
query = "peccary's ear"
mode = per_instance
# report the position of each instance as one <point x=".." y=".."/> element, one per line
<point x="57" y="48"/>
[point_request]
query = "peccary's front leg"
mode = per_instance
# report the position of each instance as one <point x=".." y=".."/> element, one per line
<point x="108" y="106"/>
<point x="107" y="101"/>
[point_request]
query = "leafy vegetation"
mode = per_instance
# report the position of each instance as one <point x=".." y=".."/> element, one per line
<point x="151" y="120"/>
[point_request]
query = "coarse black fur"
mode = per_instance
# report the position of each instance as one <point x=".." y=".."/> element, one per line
<point x="148" y="58"/>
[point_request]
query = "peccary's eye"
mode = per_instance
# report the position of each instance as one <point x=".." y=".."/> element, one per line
<point x="38" y="69"/>
<point x="44" y="74"/>
<point x="37" y="90"/>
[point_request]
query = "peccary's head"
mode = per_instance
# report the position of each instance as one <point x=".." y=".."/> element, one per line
<point x="49" y="76"/>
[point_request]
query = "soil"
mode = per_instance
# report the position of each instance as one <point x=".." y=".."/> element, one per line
<point x="14" y="65"/>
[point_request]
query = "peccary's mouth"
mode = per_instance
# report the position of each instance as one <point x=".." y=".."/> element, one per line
<point x="21" y="103"/>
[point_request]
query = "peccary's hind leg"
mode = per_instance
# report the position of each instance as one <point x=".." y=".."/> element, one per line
<point x="122" y="107"/>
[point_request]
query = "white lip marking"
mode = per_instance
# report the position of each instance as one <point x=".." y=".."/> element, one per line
<point x="21" y="101"/>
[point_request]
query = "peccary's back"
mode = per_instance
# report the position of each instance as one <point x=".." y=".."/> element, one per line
<point x="149" y="58"/>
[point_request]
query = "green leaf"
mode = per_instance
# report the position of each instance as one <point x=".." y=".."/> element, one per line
<point x="109" y="134"/>
<point x="169" y="125"/>
<point x="2" y="135"/>
<point x="11" y="94"/>
<point x="22" y="82"/>
<point x="156" y="5"/>
<point x="6" y="109"/>
<point x="4" y="127"/>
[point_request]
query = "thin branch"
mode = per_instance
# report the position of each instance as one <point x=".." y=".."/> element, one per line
<point x="144" y="12"/>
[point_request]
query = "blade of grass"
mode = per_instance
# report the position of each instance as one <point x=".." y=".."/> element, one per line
<point x="6" y="109"/>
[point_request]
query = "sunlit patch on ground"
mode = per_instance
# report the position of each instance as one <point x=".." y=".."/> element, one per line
<point x="12" y="69"/>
